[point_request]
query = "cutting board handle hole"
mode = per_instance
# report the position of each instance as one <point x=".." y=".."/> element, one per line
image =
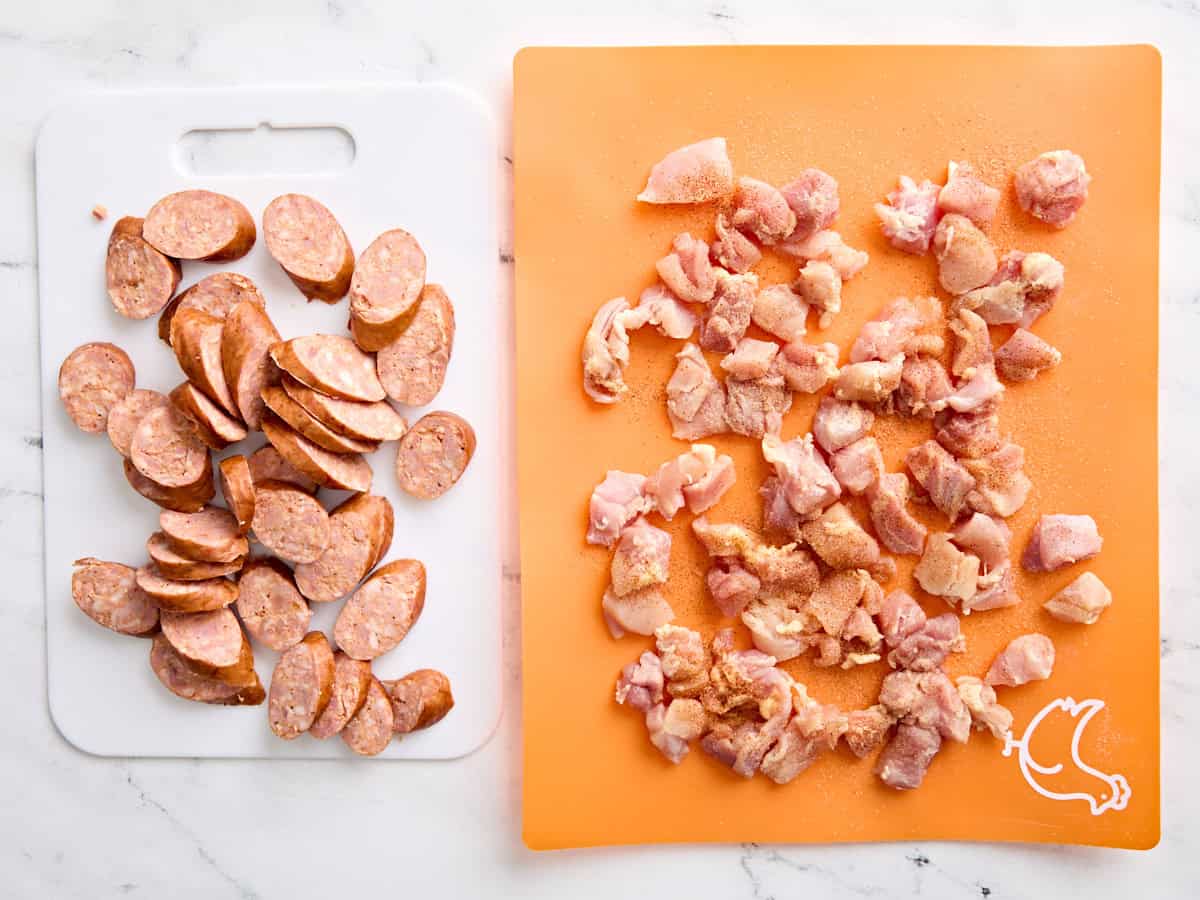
<point x="265" y="150"/>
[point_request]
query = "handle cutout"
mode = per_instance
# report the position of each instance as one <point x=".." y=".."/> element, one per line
<point x="265" y="150"/>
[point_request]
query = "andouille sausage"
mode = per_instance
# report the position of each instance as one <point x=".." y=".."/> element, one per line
<point x="196" y="340"/>
<point x="185" y="596"/>
<point x="178" y="567"/>
<point x="187" y="498"/>
<point x="289" y="522"/>
<point x="419" y="699"/>
<point x="351" y="680"/>
<point x="309" y="244"/>
<point x="266" y="464"/>
<point x="360" y="531"/>
<point x="215" y="427"/>
<point x="246" y="342"/>
<point x="370" y="731"/>
<point x="330" y="364"/>
<point x="433" y="454"/>
<point x="387" y="281"/>
<point x="108" y="594"/>
<point x="300" y="686"/>
<point x="210" y="535"/>
<point x="200" y="225"/>
<point x="300" y="420"/>
<point x="341" y="471"/>
<point x="167" y="449"/>
<point x="182" y="680"/>
<point x="215" y="294"/>
<point x="211" y="641"/>
<point x="93" y="379"/>
<point x="124" y="417"/>
<point x="382" y="611"/>
<point x="237" y="487"/>
<point x="140" y="280"/>
<point x="375" y="422"/>
<point x="270" y="606"/>
<point x="412" y="369"/>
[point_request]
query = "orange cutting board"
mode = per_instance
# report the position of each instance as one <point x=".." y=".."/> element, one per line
<point x="588" y="124"/>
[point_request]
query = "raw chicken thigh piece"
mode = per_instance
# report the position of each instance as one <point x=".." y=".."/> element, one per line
<point x="780" y="311"/>
<point x="1060" y="540"/>
<point x="819" y="284"/>
<point x="640" y="611"/>
<point x="966" y="194"/>
<point x="1082" y="601"/>
<point x="986" y="713"/>
<point x="869" y="382"/>
<point x="1027" y="658"/>
<point x="760" y="210"/>
<point x="946" y="571"/>
<point x="641" y="683"/>
<point x="751" y="358"/>
<point x="896" y="527"/>
<point x="806" y="368"/>
<point x="1001" y="485"/>
<point x="606" y="353"/>
<point x="910" y="216"/>
<point x="616" y="501"/>
<point x="693" y="478"/>
<point x="685" y="660"/>
<point x="755" y="407"/>
<point x="905" y="760"/>
<point x="693" y="174"/>
<point x="695" y="398"/>
<point x="966" y="258"/>
<point x="1053" y="187"/>
<point x="732" y="250"/>
<point x="984" y="536"/>
<point x="687" y="271"/>
<point x="1024" y="356"/>
<point x="924" y="387"/>
<point x="841" y="543"/>
<point x="944" y="478"/>
<point x="858" y="465"/>
<point x="828" y="246"/>
<point x="805" y="478"/>
<point x="838" y="424"/>
<point x="728" y="316"/>
<point x="893" y="328"/>
<point x="731" y="585"/>
<point x="813" y="197"/>
<point x="642" y="558"/>
<point x="673" y="727"/>
<point x="660" y="308"/>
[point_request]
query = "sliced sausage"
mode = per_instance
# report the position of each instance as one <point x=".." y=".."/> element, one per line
<point x="124" y="417"/>
<point x="270" y="606"/>
<point x="412" y="368"/>
<point x="211" y="641"/>
<point x="300" y="686"/>
<point x="211" y="535"/>
<point x="360" y="531"/>
<point x="290" y="523"/>
<point x="419" y="699"/>
<point x="267" y="465"/>
<point x="376" y="421"/>
<point x="330" y="364"/>
<point x="383" y="293"/>
<point x="370" y="731"/>
<point x="140" y="279"/>
<point x="196" y="340"/>
<point x="108" y="594"/>
<point x="216" y="294"/>
<point x="182" y="680"/>
<point x="433" y="454"/>
<point x="237" y="487"/>
<point x="341" y="471"/>
<point x="178" y="567"/>
<point x="382" y="611"/>
<point x="295" y="415"/>
<point x="166" y="448"/>
<point x="200" y="225"/>
<point x="215" y="427"/>
<point x="351" y="679"/>
<point x="186" y="596"/>
<point x="93" y="379"/>
<point x="245" y="358"/>
<point x="309" y="244"/>
<point x="187" y="498"/>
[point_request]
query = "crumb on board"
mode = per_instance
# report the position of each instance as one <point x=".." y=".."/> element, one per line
<point x="99" y="212"/>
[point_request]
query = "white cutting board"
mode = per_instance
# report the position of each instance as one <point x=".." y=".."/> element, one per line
<point x="426" y="160"/>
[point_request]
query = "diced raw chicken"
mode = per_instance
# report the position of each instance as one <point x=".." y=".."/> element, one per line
<point x="946" y="571"/>
<point x="900" y="616"/>
<point x="745" y="678"/>
<point x="640" y="611"/>
<point x="820" y="286"/>
<point x="1024" y="356"/>
<point x="972" y="343"/>
<point x="910" y="215"/>
<point x="696" y="173"/>
<point x="1081" y="601"/>
<point x="1060" y="540"/>
<point x="969" y="435"/>
<point x="984" y="536"/>
<point x="925" y="345"/>
<point x="858" y="465"/>
<point x="659" y="307"/>
<point x="732" y="250"/>
<point x="869" y="382"/>
<point x="927" y="700"/>
<point x="890" y="331"/>
<point x="704" y="494"/>
<point x="1024" y="287"/>
<point x="996" y="589"/>
<point x="838" y="539"/>
<point x="924" y="387"/>
<point x="905" y="760"/>
<point x="978" y="390"/>
<point x="672" y="728"/>
<point x="888" y="504"/>
<point x="986" y="713"/>
<point x="780" y="311"/>
<point x="779" y="625"/>
<point x="1001" y="485"/>
<point x="807" y="483"/>
<point x="814" y="729"/>
<point x="697" y="478"/>
<point x="723" y="538"/>
<point x="778" y="515"/>
<point x="838" y="424"/>
<point x="687" y="271"/>
<point x="926" y="649"/>
<point x="836" y="597"/>
<point x="759" y="209"/>
<point x="828" y="246"/>
<point x="968" y="195"/>
<point x="642" y="558"/>
<point x="1027" y="658"/>
<point x="641" y="683"/>
<point x="1053" y="187"/>
<point x="756" y="407"/>
<point x="606" y="353"/>
<point x="944" y="478"/>
<point x="728" y="316"/>
<point x="616" y="501"/>
<point x="685" y="660"/>
<point x="731" y="585"/>
<point x="813" y="197"/>
<point x="786" y="568"/>
<point x="867" y="729"/>
<point x="966" y="258"/>
<point x="695" y="398"/>
<point x="861" y="628"/>
<point x="806" y="368"/>
<point x="751" y="358"/>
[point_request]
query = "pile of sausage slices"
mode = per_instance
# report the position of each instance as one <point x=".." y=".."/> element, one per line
<point x="322" y="401"/>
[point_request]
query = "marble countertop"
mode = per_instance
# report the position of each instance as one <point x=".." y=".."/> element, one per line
<point x="81" y="826"/>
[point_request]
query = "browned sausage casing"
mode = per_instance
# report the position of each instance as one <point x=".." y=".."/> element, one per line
<point x="187" y="498"/>
<point x="351" y="679"/>
<point x="200" y="225"/>
<point x="412" y="369"/>
<point x="289" y="522"/>
<point x="382" y="611"/>
<point x="245" y="359"/>
<point x="182" y="680"/>
<point x="266" y="464"/>
<point x="433" y="454"/>
<point x="210" y="535"/>
<point x="341" y="471"/>
<point x="237" y="487"/>
<point x="370" y="731"/>
<point x="300" y="686"/>
<point x="196" y="340"/>
<point x="373" y="422"/>
<point x="108" y="594"/>
<point x="270" y="606"/>
<point x="419" y="699"/>
<point x="360" y="532"/>
<point x="140" y="279"/>
<point x="182" y="568"/>
<point x="383" y="293"/>
<point x="215" y="427"/>
<point x="124" y="417"/>
<point x="309" y="244"/>
<point x="92" y="380"/>
<point x="301" y="421"/>
<point x="330" y="364"/>
<point x="186" y="596"/>
<point x="167" y="449"/>
<point x="216" y="294"/>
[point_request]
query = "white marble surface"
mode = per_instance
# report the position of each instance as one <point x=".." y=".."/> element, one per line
<point x="78" y="826"/>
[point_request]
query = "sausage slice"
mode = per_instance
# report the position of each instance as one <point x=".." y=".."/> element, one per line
<point x="187" y="498"/>
<point x="210" y="535"/>
<point x="382" y="611"/>
<point x="94" y="378"/>
<point x="360" y="531"/>
<point x="341" y="471"/>
<point x="215" y="427"/>
<point x="270" y="606"/>
<point x="216" y="294"/>
<point x="267" y="465"/>
<point x="412" y="369"/>
<point x="433" y="454"/>
<point x="245" y="359"/>
<point x="182" y="680"/>
<point x="196" y="340"/>
<point x="330" y="364"/>
<point x="186" y="596"/>
<point x="140" y="279"/>
<point x="351" y="679"/>
<point x="211" y="641"/>
<point x="108" y="594"/>
<point x="383" y="293"/>
<point x="167" y="449"/>
<point x="300" y="686"/>
<point x="124" y="417"/>
<point x="376" y="421"/>
<point x="182" y="568"/>
<point x="237" y="487"/>
<point x="307" y="241"/>
<point x="419" y="699"/>
<point x="290" y="523"/>
<point x="370" y="731"/>
<point x="200" y="225"/>
<point x="294" y="415"/>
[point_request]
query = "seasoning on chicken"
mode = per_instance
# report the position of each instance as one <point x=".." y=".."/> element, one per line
<point x="944" y="478"/>
<point x="895" y="526"/>
<point x="986" y="537"/>
<point x="806" y="368"/>
<point x="786" y="568"/>
<point x="731" y="585"/>
<point x="1001" y="485"/>
<point x="751" y="358"/>
<point x="820" y="286"/>
<point x="1053" y="187"/>
<point x="1060" y="540"/>
<point x="780" y="311"/>
<point x="838" y="424"/>
<point x="965" y="256"/>
<point x="1027" y="658"/>
<point x="924" y="387"/>
<point x="728" y="316"/>
<point x="946" y="571"/>
<point x="640" y="684"/>
<point x="687" y="271"/>
<point x="814" y="729"/>
<point x="867" y="729"/>
<point x="732" y="250"/>
<point x="969" y="435"/>
<point x="705" y="492"/>
<point x="996" y="589"/>
<point x="642" y="558"/>
<point x="616" y="501"/>
<point x="755" y="407"/>
<point x="723" y="538"/>
<point x="695" y="398"/>
<point x="685" y="660"/>
<point x="986" y="713"/>
<point x="972" y="343"/>
<point x="697" y="478"/>
<point x="918" y="643"/>
<point x="869" y="382"/>
<point x="900" y="616"/>
<point x="1081" y="602"/>
<point x="778" y="515"/>
<point x="672" y="727"/>
<point x="927" y="700"/>
<point x="981" y="387"/>
<point x="829" y="247"/>
<point x="836" y="597"/>
<point x="966" y="194"/>
<point x="639" y="611"/>
<point x="696" y="173"/>
<point x="857" y="466"/>
<point x="1024" y="356"/>
<point x="780" y="625"/>
<point x="759" y="209"/>
<point x="807" y="483"/>
<point x="659" y="307"/>
<point x="838" y="539"/>
<point x="910" y="216"/>
<point x="905" y="760"/>
<point x="606" y="353"/>
<point x="893" y="327"/>
<point x="1024" y="287"/>
<point x="813" y="197"/>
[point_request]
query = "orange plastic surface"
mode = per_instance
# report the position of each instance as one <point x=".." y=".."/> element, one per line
<point x="588" y="124"/>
